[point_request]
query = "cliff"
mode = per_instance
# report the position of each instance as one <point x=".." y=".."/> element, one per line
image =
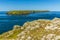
<point x="35" y="30"/>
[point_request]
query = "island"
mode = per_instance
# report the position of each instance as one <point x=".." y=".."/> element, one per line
<point x="24" y="12"/>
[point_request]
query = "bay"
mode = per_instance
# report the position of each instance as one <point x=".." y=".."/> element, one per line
<point x="7" y="22"/>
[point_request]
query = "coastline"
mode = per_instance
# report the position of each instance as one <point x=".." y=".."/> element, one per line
<point x="36" y="27"/>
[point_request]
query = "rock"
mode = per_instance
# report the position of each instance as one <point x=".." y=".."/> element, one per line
<point x="36" y="30"/>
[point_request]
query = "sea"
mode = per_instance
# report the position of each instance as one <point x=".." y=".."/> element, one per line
<point x="8" y="21"/>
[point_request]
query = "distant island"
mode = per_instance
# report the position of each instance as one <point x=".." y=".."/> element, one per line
<point x="24" y="12"/>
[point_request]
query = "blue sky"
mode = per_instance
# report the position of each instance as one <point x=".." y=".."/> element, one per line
<point x="6" y="5"/>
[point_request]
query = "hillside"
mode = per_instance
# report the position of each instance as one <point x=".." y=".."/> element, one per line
<point x="35" y="30"/>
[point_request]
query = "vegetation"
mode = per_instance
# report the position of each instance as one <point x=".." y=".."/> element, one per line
<point x="24" y="12"/>
<point x="35" y="30"/>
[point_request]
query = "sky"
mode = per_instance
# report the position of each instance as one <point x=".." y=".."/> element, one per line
<point x="7" y="5"/>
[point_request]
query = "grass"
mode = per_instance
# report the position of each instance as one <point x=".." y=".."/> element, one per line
<point x="36" y="33"/>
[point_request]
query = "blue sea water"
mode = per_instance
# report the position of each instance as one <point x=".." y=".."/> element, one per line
<point x="7" y="21"/>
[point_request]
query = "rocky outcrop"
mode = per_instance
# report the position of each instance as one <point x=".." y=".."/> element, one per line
<point x="35" y="30"/>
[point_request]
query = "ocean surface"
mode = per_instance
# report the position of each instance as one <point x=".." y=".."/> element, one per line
<point x="7" y="21"/>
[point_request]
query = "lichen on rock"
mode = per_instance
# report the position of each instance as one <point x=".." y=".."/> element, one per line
<point x="40" y="29"/>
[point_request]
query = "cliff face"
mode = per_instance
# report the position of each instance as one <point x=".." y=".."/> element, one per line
<point x="35" y="30"/>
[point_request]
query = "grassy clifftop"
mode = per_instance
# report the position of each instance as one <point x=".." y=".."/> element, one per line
<point x="35" y="30"/>
<point x="24" y="12"/>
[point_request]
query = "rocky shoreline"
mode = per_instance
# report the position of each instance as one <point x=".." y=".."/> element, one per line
<point x="40" y="29"/>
